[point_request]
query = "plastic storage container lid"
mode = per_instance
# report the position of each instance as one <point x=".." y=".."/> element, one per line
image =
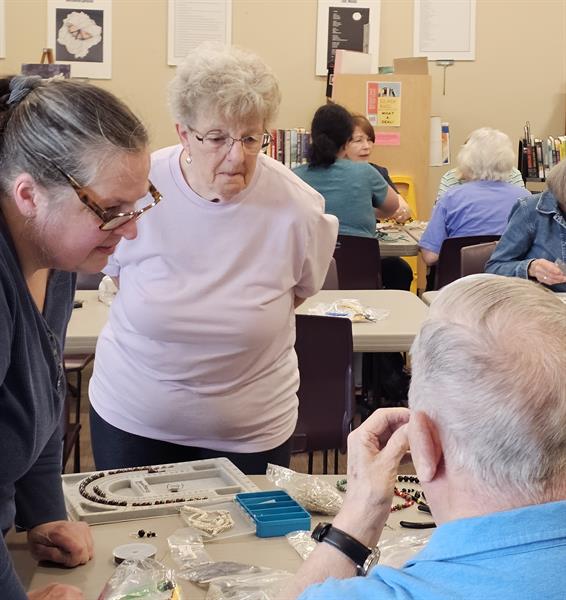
<point x="275" y="513"/>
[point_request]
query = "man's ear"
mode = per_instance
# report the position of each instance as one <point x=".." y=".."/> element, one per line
<point x="426" y="447"/>
<point x="25" y="193"/>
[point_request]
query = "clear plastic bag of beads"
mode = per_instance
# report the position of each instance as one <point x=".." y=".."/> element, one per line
<point x="146" y="579"/>
<point x="301" y="542"/>
<point x="311" y="492"/>
<point x="268" y="584"/>
<point x="187" y="548"/>
<point x="206" y="573"/>
<point x="397" y="549"/>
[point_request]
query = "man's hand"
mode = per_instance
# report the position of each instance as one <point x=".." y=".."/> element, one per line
<point x="546" y="272"/>
<point x="375" y="450"/>
<point x="65" y="542"/>
<point x="57" y="591"/>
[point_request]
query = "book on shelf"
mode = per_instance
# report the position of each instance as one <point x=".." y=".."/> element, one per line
<point x="537" y="156"/>
<point x="289" y="146"/>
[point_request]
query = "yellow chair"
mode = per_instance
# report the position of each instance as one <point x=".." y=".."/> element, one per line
<point x="406" y="187"/>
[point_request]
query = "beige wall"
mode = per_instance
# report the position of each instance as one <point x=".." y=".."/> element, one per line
<point x="519" y="73"/>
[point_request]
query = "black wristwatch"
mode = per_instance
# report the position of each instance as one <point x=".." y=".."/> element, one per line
<point x="363" y="557"/>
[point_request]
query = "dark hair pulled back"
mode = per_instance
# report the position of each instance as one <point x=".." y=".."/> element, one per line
<point x="332" y="126"/>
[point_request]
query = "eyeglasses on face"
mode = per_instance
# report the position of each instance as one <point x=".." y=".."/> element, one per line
<point x="215" y="141"/>
<point x="111" y="218"/>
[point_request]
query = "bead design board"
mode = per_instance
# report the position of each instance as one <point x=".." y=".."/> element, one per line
<point x="152" y="491"/>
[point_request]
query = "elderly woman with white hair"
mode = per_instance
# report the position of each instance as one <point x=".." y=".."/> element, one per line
<point x="197" y="360"/>
<point x="534" y="244"/>
<point x="482" y="204"/>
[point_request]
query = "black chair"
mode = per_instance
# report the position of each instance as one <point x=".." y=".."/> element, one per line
<point x="331" y="279"/>
<point x="75" y="364"/>
<point x="326" y="392"/>
<point x="358" y="262"/>
<point x="448" y="267"/>
<point x="474" y="258"/>
<point x="71" y="438"/>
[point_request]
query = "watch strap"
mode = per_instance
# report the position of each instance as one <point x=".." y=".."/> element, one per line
<point x="354" y="550"/>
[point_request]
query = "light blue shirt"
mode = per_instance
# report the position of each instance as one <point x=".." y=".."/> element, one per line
<point x="351" y="190"/>
<point x="473" y="208"/>
<point x="518" y="554"/>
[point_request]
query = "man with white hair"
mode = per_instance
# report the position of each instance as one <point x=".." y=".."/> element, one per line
<point x="487" y="433"/>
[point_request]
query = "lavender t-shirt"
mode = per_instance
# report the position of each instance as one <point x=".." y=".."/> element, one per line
<point x="473" y="208"/>
<point x="198" y="349"/>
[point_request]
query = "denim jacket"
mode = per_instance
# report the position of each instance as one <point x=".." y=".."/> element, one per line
<point x="536" y="229"/>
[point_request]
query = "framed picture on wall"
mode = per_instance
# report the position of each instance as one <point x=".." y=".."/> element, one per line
<point x="81" y="35"/>
<point x="347" y="25"/>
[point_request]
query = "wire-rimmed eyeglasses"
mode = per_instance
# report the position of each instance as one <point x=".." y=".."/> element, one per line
<point x="214" y="141"/>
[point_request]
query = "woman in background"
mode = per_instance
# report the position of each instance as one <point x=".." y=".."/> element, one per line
<point x="197" y="360"/>
<point x="396" y="274"/>
<point x="534" y="243"/>
<point x="354" y="192"/>
<point x="74" y="162"/>
<point x="480" y="206"/>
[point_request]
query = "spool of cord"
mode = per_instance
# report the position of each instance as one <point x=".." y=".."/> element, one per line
<point x="133" y="552"/>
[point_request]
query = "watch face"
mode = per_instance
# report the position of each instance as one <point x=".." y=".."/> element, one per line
<point x="371" y="561"/>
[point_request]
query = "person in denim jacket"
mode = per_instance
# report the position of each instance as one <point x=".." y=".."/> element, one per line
<point x="535" y="238"/>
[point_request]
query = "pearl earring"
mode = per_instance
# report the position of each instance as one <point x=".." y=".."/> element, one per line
<point x="188" y="159"/>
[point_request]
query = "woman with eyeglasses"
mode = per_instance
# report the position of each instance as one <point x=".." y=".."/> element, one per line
<point x="73" y="164"/>
<point x="197" y="359"/>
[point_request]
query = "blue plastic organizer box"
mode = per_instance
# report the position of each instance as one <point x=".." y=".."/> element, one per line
<point x="274" y="513"/>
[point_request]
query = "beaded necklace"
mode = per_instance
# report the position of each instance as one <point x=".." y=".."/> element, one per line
<point x="410" y="496"/>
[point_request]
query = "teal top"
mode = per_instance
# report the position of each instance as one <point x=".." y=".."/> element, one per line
<point x="351" y="190"/>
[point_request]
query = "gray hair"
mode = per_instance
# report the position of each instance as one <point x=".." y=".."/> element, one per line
<point x="78" y="126"/>
<point x="230" y="83"/>
<point x="556" y="182"/>
<point x="488" y="154"/>
<point x="489" y="368"/>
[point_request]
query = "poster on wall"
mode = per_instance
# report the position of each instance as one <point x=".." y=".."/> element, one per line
<point x="445" y="29"/>
<point x="81" y="35"/>
<point x="192" y="22"/>
<point x="383" y="103"/>
<point x="2" y="29"/>
<point x="346" y="25"/>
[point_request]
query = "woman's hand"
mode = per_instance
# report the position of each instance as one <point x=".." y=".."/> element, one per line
<point x="56" y="591"/>
<point x="403" y="213"/>
<point x="546" y="272"/>
<point x="68" y="543"/>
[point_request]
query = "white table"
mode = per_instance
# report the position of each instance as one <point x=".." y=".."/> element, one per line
<point x="90" y="578"/>
<point x="396" y="241"/>
<point x="86" y="323"/>
<point x="394" y="333"/>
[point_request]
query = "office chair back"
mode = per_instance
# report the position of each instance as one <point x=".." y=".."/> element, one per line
<point x="326" y="392"/>
<point x="331" y="279"/>
<point x="89" y="281"/>
<point x="448" y="267"/>
<point x="358" y="262"/>
<point x="474" y="258"/>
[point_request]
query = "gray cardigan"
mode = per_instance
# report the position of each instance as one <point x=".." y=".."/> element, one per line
<point x="32" y="389"/>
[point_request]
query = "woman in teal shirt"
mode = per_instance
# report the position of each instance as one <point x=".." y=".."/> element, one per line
<point x="354" y="192"/>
